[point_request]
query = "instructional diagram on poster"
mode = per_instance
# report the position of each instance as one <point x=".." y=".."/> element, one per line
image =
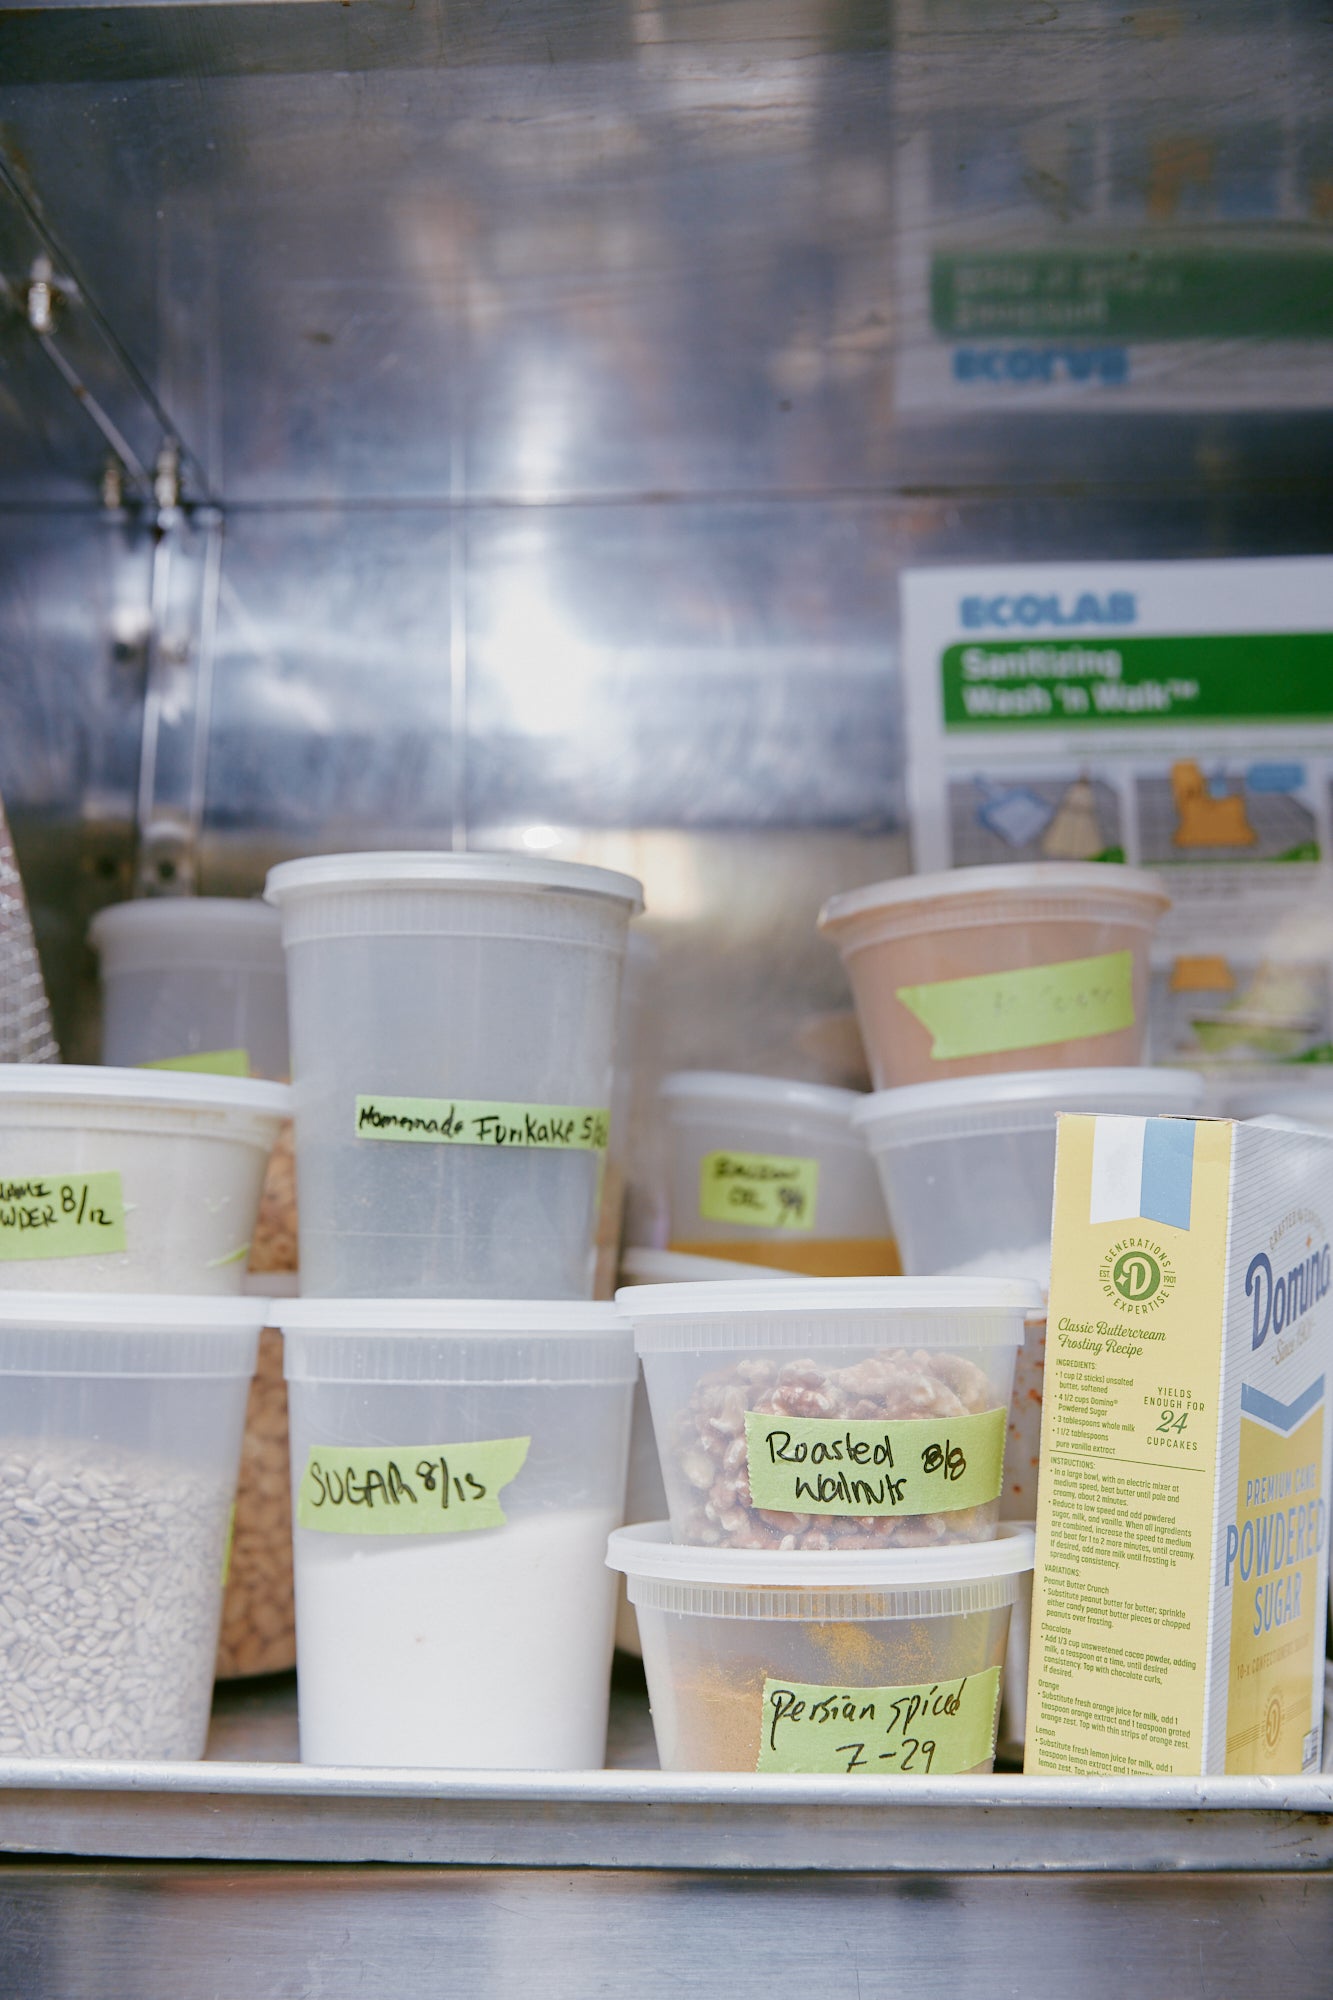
<point x="1176" y="716"/>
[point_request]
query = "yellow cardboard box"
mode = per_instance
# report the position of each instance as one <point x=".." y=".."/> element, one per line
<point x="1181" y="1586"/>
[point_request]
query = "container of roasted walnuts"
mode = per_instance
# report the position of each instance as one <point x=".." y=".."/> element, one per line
<point x="816" y="1414"/>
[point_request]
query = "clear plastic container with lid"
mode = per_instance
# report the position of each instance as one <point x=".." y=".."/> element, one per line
<point x="767" y="1170"/>
<point x="453" y="1032"/>
<point x="118" y="1458"/>
<point x="979" y="970"/>
<point x="127" y="1180"/>
<point x="456" y="1469"/>
<point x="197" y="979"/>
<point x="874" y="1664"/>
<point x="835" y="1413"/>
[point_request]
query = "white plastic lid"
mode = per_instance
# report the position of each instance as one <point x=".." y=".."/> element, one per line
<point x="1141" y="1091"/>
<point x="1085" y="879"/>
<point x="718" y="1089"/>
<point x="1306" y="1095"/>
<point x="154" y="929"/>
<point x="139" y="1312"/>
<point x="647" y="1550"/>
<point x="542" y="1317"/>
<point x="671" y="1267"/>
<point x="829" y="1312"/>
<point x="178" y="1090"/>
<point x="402" y="870"/>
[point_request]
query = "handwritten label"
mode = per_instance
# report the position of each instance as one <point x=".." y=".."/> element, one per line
<point x="999" y="1011"/>
<point x="60" y="1215"/>
<point x="408" y="1489"/>
<point x="909" y="1465"/>
<point x="457" y="1121"/>
<point x="937" y="1726"/>
<point x="212" y="1062"/>
<point x="758" y="1190"/>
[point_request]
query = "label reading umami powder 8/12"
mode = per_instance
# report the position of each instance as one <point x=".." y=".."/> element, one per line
<point x="758" y="1190"/>
<point x="912" y="1465"/>
<point x="996" y="1012"/>
<point x="457" y="1121"/>
<point x="61" y="1215"/>
<point x="409" y="1489"/>
<point x="937" y="1726"/>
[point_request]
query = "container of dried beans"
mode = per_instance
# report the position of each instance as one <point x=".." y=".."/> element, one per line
<point x="838" y="1413"/>
<point x="861" y="1662"/>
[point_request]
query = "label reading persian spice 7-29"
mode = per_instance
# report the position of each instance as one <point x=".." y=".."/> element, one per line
<point x="408" y="1489"/>
<point x="758" y="1190"/>
<point x="912" y="1465"/>
<point x="60" y="1215"/>
<point x="937" y="1726"/>
<point x="457" y="1121"/>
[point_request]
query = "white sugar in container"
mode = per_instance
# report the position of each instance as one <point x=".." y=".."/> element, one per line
<point x="193" y="979"/>
<point x="771" y="1171"/>
<point x="453" y="1039"/>
<point x="456" y="1469"/>
<point x="123" y="1180"/>
<point x="835" y="1413"/>
<point x="866" y="1663"/>
<point x="119" y="1447"/>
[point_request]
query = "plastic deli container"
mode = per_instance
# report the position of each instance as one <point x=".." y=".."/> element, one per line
<point x="968" y="1167"/>
<point x="877" y="1663"/>
<point x="453" y="1028"/>
<point x="835" y="1413"/>
<point x="456" y="1470"/>
<point x="990" y="969"/>
<point x="124" y="1180"/>
<point x="197" y="981"/>
<point x="768" y="1171"/>
<point x="118" y="1456"/>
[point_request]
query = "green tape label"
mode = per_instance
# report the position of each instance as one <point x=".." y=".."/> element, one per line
<point x="758" y="1190"/>
<point x="408" y="1489"/>
<point x="52" y="1215"/>
<point x="998" y="1011"/>
<point x="912" y="1465"/>
<point x="211" y="1062"/>
<point x="458" y="1121"/>
<point x="228" y="1546"/>
<point x="937" y="1726"/>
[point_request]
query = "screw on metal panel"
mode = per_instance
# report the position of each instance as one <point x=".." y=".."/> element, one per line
<point x="167" y="476"/>
<point x="113" y="485"/>
<point x="40" y="298"/>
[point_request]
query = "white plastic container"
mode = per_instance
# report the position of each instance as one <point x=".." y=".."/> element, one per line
<point x="968" y="1166"/>
<point x="456" y="1470"/>
<point x="871" y="1664"/>
<point x="193" y="978"/>
<point x="119" y="1180"/>
<point x="1302" y="1093"/>
<point x="982" y="970"/>
<point x="453" y="1025"/>
<point x="119" y="1447"/>
<point x="835" y="1413"/>
<point x="765" y="1170"/>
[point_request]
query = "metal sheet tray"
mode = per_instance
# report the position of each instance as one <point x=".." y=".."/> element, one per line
<point x="251" y="1801"/>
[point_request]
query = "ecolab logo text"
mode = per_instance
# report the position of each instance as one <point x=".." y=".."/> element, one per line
<point x="1117" y="607"/>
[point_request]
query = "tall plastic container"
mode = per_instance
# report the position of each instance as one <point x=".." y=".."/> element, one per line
<point x="118" y="1456"/>
<point x="196" y="979"/>
<point x="453" y="1034"/>
<point x="983" y="970"/>
<point x="130" y="1180"/>
<point x="456" y="1470"/>
<point x="766" y="1170"/>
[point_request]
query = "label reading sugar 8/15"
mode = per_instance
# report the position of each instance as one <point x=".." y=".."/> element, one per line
<point x="407" y="1489"/>
<point x="45" y="1216"/>
<point x="758" y="1190"/>
<point x="909" y="1465"/>
<point x="458" y="1121"/>
<point x="934" y="1727"/>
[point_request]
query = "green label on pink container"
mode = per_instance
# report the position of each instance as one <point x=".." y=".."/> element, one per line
<point x="996" y="1012"/>
<point x="919" y="1731"/>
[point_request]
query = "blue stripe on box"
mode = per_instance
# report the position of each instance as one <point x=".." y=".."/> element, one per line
<point x="1168" y="1171"/>
<point x="1282" y="1417"/>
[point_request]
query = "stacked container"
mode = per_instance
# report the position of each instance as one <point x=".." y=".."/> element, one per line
<point x="459" y="1408"/>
